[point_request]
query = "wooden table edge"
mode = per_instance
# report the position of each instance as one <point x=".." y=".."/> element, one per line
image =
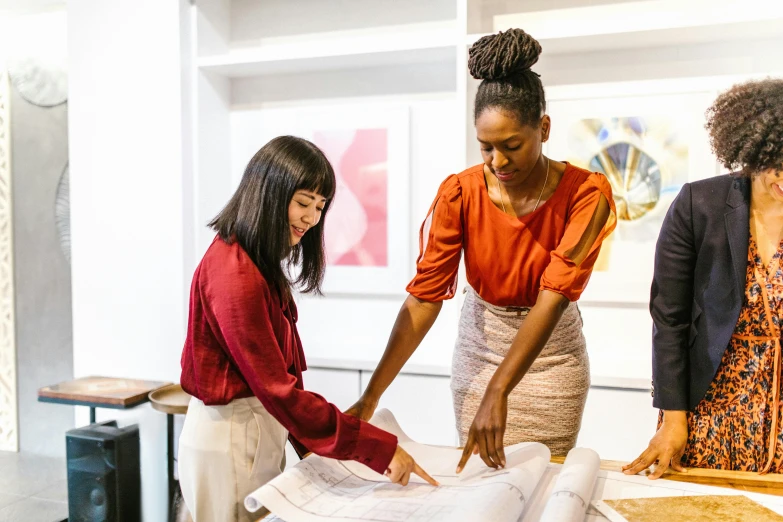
<point x="78" y="399"/>
<point x="770" y="484"/>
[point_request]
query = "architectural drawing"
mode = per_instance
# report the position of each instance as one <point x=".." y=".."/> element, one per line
<point x="529" y="489"/>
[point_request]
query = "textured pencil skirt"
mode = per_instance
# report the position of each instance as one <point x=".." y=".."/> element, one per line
<point x="547" y="404"/>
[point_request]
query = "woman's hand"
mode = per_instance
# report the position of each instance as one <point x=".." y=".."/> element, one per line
<point x="363" y="409"/>
<point x="486" y="433"/>
<point x="667" y="446"/>
<point x="401" y="467"/>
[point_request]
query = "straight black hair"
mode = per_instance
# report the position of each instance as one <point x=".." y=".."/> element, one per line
<point x="256" y="216"/>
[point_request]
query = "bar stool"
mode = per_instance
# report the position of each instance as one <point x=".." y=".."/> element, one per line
<point x="172" y="400"/>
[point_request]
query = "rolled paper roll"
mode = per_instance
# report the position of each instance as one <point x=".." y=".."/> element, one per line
<point x="573" y="489"/>
<point x="253" y="501"/>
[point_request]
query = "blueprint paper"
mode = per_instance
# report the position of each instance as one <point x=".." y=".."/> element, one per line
<point x="320" y="490"/>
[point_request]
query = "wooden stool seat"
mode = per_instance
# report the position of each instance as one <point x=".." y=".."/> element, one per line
<point x="171" y="399"/>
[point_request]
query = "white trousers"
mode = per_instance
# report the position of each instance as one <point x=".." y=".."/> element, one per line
<point x="225" y="453"/>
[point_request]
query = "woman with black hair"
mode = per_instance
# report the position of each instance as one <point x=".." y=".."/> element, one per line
<point x="717" y="299"/>
<point x="530" y="229"/>
<point x="243" y="361"/>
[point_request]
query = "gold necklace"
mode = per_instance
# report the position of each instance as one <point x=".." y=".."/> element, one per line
<point x="539" y="196"/>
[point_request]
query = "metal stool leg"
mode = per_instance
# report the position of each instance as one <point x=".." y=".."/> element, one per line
<point x="170" y="451"/>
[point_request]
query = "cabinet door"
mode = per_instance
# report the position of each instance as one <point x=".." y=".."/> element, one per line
<point x="422" y="405"/>
<point x="340" y="387"/>
<point x="617" y="423"/>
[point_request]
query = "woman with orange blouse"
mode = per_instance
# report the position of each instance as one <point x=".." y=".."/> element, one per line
<point x="530" y="229"/>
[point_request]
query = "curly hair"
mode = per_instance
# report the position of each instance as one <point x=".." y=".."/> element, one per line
<point x="746" y="126"/>
<point x="503" y="62"/>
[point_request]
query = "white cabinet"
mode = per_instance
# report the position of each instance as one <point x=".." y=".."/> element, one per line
<point x="421" y="403"/>
<point x="617" y="423"/>
<point x="340" y="387"/>
<point x="422" y="406"/>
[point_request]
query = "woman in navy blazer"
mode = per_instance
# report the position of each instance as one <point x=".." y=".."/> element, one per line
<point x="718" y="281"/>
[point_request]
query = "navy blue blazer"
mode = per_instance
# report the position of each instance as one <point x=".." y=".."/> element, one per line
<point x="698" y="288"/>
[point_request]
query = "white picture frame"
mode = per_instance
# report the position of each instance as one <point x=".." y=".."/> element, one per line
<point x="252" y="128"/>
<point x="683" y="102"/>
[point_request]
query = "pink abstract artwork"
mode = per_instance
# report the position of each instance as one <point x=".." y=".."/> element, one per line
<point x="356" y="232"/>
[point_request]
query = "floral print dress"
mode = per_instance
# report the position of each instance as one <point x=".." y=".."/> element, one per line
<point x="738" y="425"/>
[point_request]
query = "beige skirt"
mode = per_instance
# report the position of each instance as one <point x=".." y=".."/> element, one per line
<point x="225" y="453"/>
<point x="547" y="404"/>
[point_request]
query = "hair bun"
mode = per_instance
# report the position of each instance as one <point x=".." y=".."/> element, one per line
<point x="501" y="55"/>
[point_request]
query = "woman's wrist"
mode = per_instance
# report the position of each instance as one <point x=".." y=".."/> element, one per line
<point x="369" y="397"/>
<point x="498" y="387"/>
<point x="675" y="417"/>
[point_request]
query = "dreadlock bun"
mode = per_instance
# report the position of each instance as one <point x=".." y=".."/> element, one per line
<point x="502" y="55"/>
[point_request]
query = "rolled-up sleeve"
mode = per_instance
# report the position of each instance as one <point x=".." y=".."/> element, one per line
<point x="440" y="246"/>
<point x="591" y="218"/>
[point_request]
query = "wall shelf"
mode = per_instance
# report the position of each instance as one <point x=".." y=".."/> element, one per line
<point x="405" y="44"/>
<point x="637" y="25"/>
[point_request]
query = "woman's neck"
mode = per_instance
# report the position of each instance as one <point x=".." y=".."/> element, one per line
<point x="531" y="188"/>
<point x="766" y="220"/>
<point x="762" y="203"/>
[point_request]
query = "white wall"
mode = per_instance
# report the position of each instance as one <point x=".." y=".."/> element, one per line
<point x="128" y="231"/>
<point x="41" y="35"/>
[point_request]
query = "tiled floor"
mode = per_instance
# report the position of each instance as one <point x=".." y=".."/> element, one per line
<point x="32" y="488"/>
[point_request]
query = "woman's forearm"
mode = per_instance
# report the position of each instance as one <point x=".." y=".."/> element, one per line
<point x="531" y="338"/>
<point x="414" y="320"/>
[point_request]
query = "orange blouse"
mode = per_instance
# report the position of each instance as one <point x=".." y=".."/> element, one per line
<point x="509" y="260"/>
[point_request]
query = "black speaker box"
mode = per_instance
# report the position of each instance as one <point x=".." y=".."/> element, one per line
<point x="104" y="475"/>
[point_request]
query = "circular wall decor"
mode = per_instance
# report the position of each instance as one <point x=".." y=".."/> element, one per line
<point x="635" y="175"/>
<point x="37" y="82"/>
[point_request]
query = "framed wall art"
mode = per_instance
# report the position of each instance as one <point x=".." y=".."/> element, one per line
<point x="367" y="227"/>
<point x="648" y="139"/>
